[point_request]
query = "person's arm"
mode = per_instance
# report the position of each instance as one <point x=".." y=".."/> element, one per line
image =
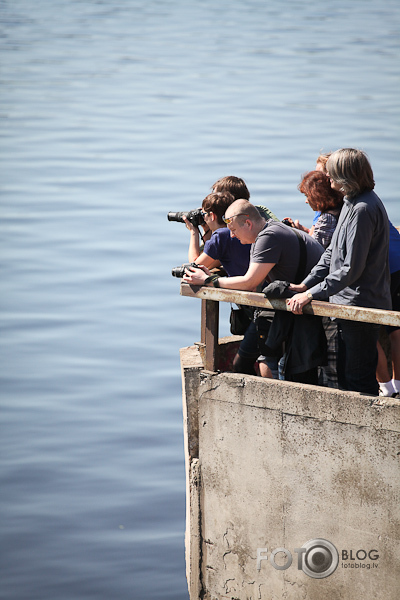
<point x="211" y="251"/>
<point x="255" y="275"/>
<point x="318" y="272"/>
<point x="194" y="242"/>
<point x="297" y="287"/>
<point x="304" y="295"/>
<point x="207" y="261"/>
<point x="194" y="245"/>
<point x="296" y="224"/>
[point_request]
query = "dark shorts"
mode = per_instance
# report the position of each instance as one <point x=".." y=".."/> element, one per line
<point x="249" y="345"/>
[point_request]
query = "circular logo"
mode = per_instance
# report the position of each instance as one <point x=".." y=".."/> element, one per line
<point x="320" y="558"/>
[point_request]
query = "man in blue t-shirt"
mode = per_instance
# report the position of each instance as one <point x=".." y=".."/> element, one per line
<point x="220" y="249"/>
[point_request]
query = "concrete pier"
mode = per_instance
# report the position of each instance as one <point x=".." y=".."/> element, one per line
<point x="292" y="490"/>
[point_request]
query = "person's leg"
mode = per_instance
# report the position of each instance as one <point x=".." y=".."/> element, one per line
<point x="268" y="367"/>
<point x="382" y="371"/>
<point x="395" y="348"/>
<point x="265" y="371"/>
<point x="243" y="365"/>
<point x="248" y="352"/>
<point x="358" y="356"/>
<point x="268" y="364"/>
<point x="394" y="334"/>
<point x="386" y="387"/>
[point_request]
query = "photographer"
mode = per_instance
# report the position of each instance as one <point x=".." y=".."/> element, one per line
<point x="220" y="249"/>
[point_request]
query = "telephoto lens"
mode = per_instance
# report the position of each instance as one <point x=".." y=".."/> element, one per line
<point x="194" y="216"/>
<point x="176" y="216"/>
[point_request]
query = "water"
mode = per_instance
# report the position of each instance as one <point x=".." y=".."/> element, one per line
<point x="113" y="114"/>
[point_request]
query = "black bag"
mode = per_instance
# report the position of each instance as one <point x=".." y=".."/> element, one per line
<point x="240" y="320"/>
<point x="263" y="321"/>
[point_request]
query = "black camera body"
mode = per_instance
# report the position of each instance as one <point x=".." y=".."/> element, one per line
<point x="180" y="271"/>
<point x="194" y="216"/>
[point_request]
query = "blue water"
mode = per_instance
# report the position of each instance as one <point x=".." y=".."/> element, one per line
<point x="111" y="115"/>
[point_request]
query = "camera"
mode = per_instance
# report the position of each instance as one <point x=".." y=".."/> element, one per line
<point x="194" y="216"/>
<point x="287" y="222"/>
<point x="180" y="271"/>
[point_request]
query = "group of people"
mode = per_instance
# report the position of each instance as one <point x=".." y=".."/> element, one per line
<point x="343" y="258"/>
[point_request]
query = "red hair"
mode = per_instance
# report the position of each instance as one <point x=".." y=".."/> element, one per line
<point x="317" y="187"/>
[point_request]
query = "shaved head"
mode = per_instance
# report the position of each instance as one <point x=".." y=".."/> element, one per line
<point x="246" y="222"/>
<point x="244" y="207"/>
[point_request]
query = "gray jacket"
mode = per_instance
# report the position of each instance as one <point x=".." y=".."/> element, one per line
<point x="354" y="269"/>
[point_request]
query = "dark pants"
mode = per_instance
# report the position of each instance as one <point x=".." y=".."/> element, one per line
<point x="358" y="356"/>
<point x="310" y="377"/>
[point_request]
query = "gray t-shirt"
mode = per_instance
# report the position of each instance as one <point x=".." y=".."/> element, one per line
<point x="278" y="243"/>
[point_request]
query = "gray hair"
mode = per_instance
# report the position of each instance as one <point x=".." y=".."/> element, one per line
<point x="350" y="168"/>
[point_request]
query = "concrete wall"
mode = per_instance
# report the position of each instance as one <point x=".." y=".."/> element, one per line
<point x="272" y="465"/>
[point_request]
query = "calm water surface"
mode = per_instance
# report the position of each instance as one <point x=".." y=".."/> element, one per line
<point x="111" y="115"/>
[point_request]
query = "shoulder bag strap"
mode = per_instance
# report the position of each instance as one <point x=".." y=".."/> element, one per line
<point x="301" y="269"/>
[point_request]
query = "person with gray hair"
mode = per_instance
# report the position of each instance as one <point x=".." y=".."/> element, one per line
<point x="354" y="269"/>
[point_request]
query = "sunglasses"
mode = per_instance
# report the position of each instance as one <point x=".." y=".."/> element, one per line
<point x="229" y="220"/>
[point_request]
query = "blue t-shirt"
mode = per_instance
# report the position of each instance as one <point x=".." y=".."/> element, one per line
<point x="232" y="255"/>
<point x="394" y="249"/>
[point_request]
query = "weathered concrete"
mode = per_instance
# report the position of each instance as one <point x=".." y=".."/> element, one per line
<point x="275" y="464"/>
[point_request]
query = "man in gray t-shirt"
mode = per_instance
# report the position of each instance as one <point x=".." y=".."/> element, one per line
<point x="275" y="250"/>
<point x="278" y="244"/>
<point x="275" y="254"/>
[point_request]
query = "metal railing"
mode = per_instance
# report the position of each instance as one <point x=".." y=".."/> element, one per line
<point x="210" y="313"/>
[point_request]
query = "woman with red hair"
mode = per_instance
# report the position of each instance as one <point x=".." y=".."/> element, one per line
<point x="316" y="186"/>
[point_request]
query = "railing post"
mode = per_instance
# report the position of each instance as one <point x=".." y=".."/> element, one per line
<point x="209" y="332"/>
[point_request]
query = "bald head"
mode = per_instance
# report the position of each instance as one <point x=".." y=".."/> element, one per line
<point x="246" y="221"/>
<point x="244" y="207"/>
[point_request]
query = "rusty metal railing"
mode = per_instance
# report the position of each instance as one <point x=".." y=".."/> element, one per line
<point x="210" y="313"/>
